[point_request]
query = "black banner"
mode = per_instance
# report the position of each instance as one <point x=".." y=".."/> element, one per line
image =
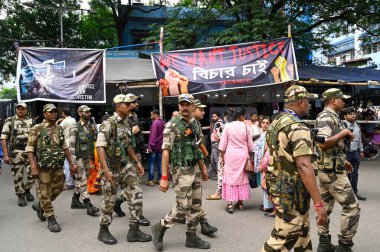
<point x="226" y="67"/>
<point x="61" y="75"/>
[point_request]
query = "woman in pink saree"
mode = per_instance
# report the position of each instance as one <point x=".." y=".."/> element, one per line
<point x="235" y="145"/>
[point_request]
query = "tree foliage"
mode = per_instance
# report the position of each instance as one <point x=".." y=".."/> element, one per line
<point x="8" y="93"/>
<point x="194" y="23"/>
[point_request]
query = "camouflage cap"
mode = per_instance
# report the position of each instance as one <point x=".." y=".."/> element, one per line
<point x="198" y="104"/>
<point x="119" y="98"/>
<point x="334" y="93"/>
<point x="132" y="98"/>
<point x="83" y="108"/>
<point x="186" y="97"/>
<point x="297" y="92"/>
<point x="49" y="107"/>
<point x="22" y="104"/>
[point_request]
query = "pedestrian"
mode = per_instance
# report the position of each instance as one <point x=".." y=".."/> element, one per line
<point x="119" y="163"/>
<point x="81" y="145"/>
<point x="15" y="134"/>
<point x="235" y="146"/>
<point x="356" y="152"/>
<point x="47" y="149"/>
<point x="66" y="122"/>
<point x="186" y="160"/>
<point x="333" y="181"/>
<point x="135" y="136"/>
<point x="255" y="126"/>
<point x="154" y="146"/>
<point x="175" y="114"/>
<point x="216" y="133"/>
<point x="290" y="176"/>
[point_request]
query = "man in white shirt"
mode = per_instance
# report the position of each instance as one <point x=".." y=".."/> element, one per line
<point x="355" y="153"/>
<point x="66" y="122"/>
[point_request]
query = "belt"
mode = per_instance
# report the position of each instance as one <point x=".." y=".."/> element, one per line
<point x="336" y="171"/>
<point x="20" y="146"/>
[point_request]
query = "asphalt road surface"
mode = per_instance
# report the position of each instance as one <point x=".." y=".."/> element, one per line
<point x="243" y="231"/>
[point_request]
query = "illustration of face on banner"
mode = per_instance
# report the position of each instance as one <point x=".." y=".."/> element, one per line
<point x="54" y="74"/>
<point x="226" y="67"/>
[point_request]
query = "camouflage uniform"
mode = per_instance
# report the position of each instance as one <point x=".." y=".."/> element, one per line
<point x="333" y="180"/>
<point x="187" y="180"/>
<point x="288" y="138"/>
<point x="81" y="147"/>
<point x="17" y="144"/>
<point x="124" y="172"/>
<point x="47" y="143"/>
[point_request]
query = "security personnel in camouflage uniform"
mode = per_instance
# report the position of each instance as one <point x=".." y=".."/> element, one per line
<point x="180" y="148"/>
<point x="47" y="150"/>
<point x="291" y="180"/>
<point x="135" y="137"/>
<point x="333" y="180"/>
<point x="81" y="145"/>
<point x="15" y="132"/>
<point x="198" y="114"/>
<point x="116" y="157"/>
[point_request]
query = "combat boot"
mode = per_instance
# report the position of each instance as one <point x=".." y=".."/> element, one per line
<point x="53" y="225"/>
<point x="91" y="210"/>
<point x="40" y="212"/>
<point x="325" y="244"/>
<point x="105" y="236"/>
<point x="194" y="241"/>
<point x="21" y="200"/>
<point x="343" y="247"/>
<point x="143" y="221"/>
<point x="206" y="228"/>
<point x="158" y="232"/>
<point x="135" y="234"/>
<point x="75" y="203"/>
<point x="28" y="195"/>
<point x="117" y="208"/>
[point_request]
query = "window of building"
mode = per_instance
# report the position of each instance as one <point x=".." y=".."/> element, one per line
<point x="138" y="37"/>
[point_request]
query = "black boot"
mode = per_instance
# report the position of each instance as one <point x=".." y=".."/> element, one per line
<point x="75" y="203"/>
<point x="135" y="234"/>
<point x="325" y="244"/>
<point x="117" y="208"/>
<point x="158" y="232"/>
<point x="143" y="221"/>
<point x="53" y="225"/>
<point x="105" y="236"/>
<point x="21" y="200"/>
<point x="28" y="195"/>
<point x="40" y="212"/>
<point x="91" y="210"/>
<point x="194" y="241"/>
<point x="206" y="228"/>
<point x="343" y="247"/>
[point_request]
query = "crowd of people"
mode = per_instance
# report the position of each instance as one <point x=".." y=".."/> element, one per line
<point x="281" y="150"/>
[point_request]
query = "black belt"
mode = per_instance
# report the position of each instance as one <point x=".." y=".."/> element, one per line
<point x="337" y="171"/>
<point x="20" y="146"/>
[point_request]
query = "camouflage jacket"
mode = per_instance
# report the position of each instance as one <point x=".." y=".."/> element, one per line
<point x="81" y="138"/>
<point x="328" y="125"/>
<point x="19" y="137"/>
<point x="116" y="145"/>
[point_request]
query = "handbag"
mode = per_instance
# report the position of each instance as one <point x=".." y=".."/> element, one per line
<point x="249" y="164"/>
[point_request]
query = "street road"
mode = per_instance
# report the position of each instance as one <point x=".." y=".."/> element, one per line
<point x="243" y="231"/>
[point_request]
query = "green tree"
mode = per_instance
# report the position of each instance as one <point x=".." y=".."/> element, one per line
<point x="8" y="93"/>
<point x="193" y="23"/>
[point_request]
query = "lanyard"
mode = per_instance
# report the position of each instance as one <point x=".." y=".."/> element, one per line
<point x="292" y="113"/>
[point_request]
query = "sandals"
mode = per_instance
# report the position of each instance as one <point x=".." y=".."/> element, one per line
<point x="239" y="206"/>
<point x="229" y="208"/>
<point x="213" y="197"/>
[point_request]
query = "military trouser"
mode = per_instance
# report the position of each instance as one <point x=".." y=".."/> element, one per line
<point x="214" y="160"/>
<point x="291" y="230"/>
<point x="188" y="192"/>
<point x="49" y="186"/>
<point x="20" y="162"/>
<point x="131" y="191"/>
<point x="337" y="187"/>
<point x="81" y="176"/>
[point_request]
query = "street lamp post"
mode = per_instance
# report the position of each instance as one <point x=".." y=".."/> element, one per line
<point x="61" y="10"/>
